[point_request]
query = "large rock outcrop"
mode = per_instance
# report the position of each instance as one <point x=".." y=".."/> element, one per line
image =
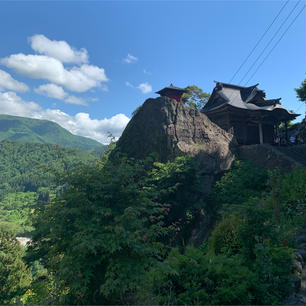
<point x="171" y="129"/>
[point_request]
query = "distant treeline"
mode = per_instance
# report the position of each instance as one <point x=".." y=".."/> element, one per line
<point x="28" y="166"/>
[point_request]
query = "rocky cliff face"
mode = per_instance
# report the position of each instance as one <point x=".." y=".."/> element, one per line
<point x="171" y="129"/>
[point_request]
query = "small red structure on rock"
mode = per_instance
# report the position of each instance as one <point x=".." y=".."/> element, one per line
<point x="172" y="92"/>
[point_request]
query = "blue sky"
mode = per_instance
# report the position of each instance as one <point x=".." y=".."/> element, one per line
<point x="88" y="65"/>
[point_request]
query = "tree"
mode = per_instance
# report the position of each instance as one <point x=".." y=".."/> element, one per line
<point x="179" y="184"/>
<point x="195" y="98"/>
<point x="301" y="91"/>
<point x="15" y="278"/>
<point x="101" y="233"/>
<point x="111" y="224"/>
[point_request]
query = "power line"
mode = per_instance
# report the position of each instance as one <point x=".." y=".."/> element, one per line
<point x="270" y="41"/>
<point x="259" y="41"/>
<point x="292" y="22"/>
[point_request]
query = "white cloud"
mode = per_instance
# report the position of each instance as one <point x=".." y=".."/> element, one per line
<point x="58" y="49"/>
<point x="12" y="104"/>
<point x="130" y="59"/>
<point x="80" y="124"/>
<point x="75" y="100"/>
<point x="8" y="83"/>
<point x="145" y="87"/>
<point x="128" y="84"/>
<point x="94" y="99"/>
<point x="51" y="91"/>
<point x="77" y="79"/>
<point x="57" y="92"/>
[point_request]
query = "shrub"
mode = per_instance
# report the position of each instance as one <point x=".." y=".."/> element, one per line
<point x="241" y="183"/>
<point x="225" y="237"/>
<point x="193" y="278"/>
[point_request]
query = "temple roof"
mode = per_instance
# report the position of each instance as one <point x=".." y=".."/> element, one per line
<point x="248" y="98"/>
<point x="171" y="88"/>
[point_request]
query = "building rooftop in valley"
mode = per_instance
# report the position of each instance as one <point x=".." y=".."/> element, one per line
<point x="246" y="98"/>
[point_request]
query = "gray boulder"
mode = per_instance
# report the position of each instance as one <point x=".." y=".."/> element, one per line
<point x="170" y="129"/>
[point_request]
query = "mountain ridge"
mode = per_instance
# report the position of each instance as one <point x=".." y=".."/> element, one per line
<point x="28" y="130"/>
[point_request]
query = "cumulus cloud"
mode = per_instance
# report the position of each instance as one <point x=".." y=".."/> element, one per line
<point x="75" y="100"/>
<point x="51" y="91"/>
<point x="130" y="59"/>
<point x="12" y="104"/>
<point x="80" y="124"/>
<point x="79" y="79"/>
<point x="145" y="87"/>
<point x="7" y="82"/>
<point x="57" y="92"/>
<point x="58" y="49"/>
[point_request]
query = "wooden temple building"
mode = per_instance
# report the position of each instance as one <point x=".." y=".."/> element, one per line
<point x="172" y="92"/>
<point x="246" y="113"/>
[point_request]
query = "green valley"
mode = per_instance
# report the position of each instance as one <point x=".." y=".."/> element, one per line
<point x="27" y="173"/>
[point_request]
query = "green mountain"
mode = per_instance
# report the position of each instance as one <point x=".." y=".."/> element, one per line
<point x="43" y="131"/>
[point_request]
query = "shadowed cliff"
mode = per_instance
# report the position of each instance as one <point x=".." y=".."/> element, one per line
<point x="169" y="129"/>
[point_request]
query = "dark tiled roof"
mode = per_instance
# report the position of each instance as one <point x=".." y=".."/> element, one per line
<point x="171" y="88"/>
<point x="249" y="98"/>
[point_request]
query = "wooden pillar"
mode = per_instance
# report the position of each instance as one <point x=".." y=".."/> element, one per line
<point x="260" y="133"/>
<point x="286" y="131"/>
<point x="276" y="133"/>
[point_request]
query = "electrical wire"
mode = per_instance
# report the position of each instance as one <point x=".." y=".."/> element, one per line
<point x="259" y="41"/>
<point x="270" y="41"/>
<point x="275" y="45"/>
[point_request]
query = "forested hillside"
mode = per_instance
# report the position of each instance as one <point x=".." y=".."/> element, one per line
<point x="43" y="131"/>
<point x="119" y="232"/>
<point x="27" y="173"/>
<point x="25" y="166"/>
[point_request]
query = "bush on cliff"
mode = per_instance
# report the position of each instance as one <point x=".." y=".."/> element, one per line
<point x="116" y="234"/>
<point x="111" y="223"/>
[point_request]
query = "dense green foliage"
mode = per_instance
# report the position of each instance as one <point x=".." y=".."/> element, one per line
<point x="27" y="173"/>
<point x="117" y="230"/>
<point x="195" y="98"/>
<point x="248" y="258"/>
<point x="15" y="209"/>
<point x="42" y="131"/>
<point x="112" y="223"/>
<point x="243" y="182"/>
<point x="196" y="278"/>
<point x="301" y="91"/>
<point x="193" y="278"/>
<point x="24" y="166"/>
<point x="15" y="278"/>
<point x="178" y="184"/>
<point x="104" y="231"/>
